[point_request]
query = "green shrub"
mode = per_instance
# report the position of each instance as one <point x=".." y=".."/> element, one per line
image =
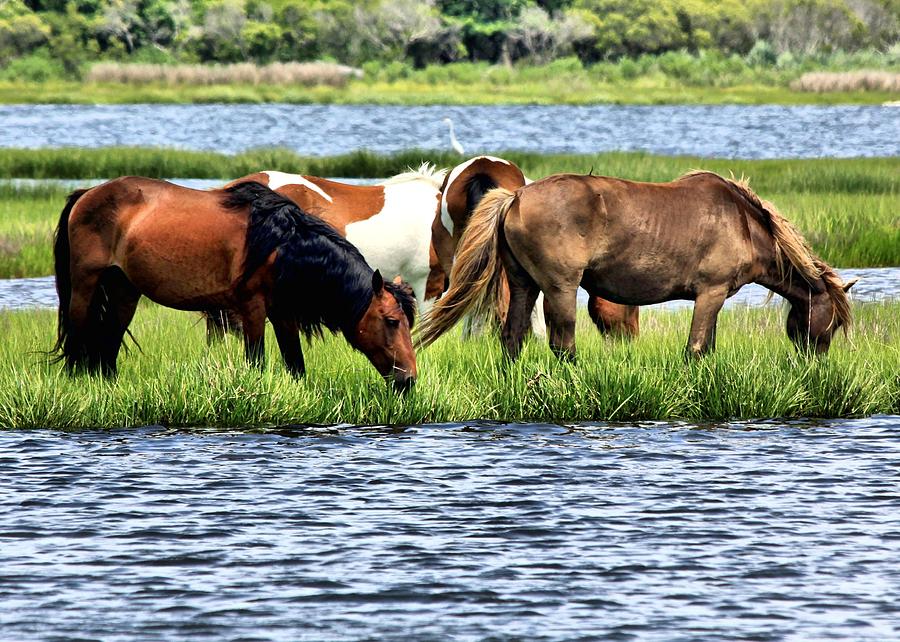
<point x="36" y="67"/>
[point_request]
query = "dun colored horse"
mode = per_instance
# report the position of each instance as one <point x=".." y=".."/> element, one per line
<point x="462" y="191"/>
<point x="701" y="238"/>
<point x="245" y="249"/>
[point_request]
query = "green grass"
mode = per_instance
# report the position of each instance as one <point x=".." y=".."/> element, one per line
<point x="176" y="380"/>
<point x="560" y="91"/>
<point x="855" y="175"/>
<point x="849" y="209"/>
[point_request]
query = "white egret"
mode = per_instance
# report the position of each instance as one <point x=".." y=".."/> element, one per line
<point x="453" y="142"/>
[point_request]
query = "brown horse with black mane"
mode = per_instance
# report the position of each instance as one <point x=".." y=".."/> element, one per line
<point x="389" y="223"/>
<point x="245" y="249"/>
<point x="701" y="238"/>
<point x="464" y="187"/>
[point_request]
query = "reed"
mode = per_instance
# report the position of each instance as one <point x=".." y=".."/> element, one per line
<point x="176" y="380"/>
<point x="847" y="81"/>
<point x="854" y="175"/>
<point x="280" y="73"/>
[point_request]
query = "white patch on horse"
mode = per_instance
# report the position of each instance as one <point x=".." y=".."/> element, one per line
<point x="397" y="240"/>
<point x="446" y="221"/>
<point x="280" y="179"/>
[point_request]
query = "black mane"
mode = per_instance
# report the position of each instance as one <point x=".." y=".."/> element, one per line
<point x="405" y="297"/>
<point x="320" y="277"/>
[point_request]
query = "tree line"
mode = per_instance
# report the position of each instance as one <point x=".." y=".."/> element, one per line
<point x="67" y="35"/>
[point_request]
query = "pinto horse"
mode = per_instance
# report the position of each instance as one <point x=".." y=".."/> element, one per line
<point x="462" y="191"/>
<point x="245" y="249"/>
<point x="701" y="237"/>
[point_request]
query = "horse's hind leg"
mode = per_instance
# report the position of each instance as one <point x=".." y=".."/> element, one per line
<point x="523" y="292"/>
<point x="559" y="310"/>
<point x="253" y="320"/>
<point x="518" y="318"/>
<point x="219" y="323"/>
<point x="118" y="304"/>
<point x="616" y="320"/>
<point x="288" y="336"/>
<point x="80" y="348"/>
<point x="703" y="324"/>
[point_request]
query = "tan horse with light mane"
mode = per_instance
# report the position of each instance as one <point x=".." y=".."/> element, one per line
<point x="701" y="237"/>
<point x="464" y="187"/>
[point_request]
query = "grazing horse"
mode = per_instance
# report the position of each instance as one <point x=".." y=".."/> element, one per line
<point x="701" y="237"/>
<point x="462" y="191"/>
<point x="390" y="223"/>
<point x="245" y="249"/>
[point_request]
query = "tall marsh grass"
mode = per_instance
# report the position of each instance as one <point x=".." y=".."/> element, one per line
<point x="174" y="379"/>
<point x="825" y="81"/>
<point x="278" y="73"/>
<point x="854" y="175"/>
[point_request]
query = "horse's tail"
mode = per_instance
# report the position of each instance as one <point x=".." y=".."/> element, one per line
<point x="61" y="263"/>
<point x="476" y="275"/>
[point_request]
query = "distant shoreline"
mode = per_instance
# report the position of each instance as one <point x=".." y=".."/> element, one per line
<point x="644" y="91"/>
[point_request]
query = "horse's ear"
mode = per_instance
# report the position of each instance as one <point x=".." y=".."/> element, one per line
<point x="377" y="282"/>
<point x="398" y="280"/>
<point x="849" y="284"/>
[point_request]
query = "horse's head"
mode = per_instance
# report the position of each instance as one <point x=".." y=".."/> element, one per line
<point x="383" y="332"/>
<point x="811" y="323"/>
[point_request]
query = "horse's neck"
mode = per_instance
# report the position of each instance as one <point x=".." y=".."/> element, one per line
<point x="782" y="279"/>
<point x="335" y="296"/>
<point x="789" y="283"/>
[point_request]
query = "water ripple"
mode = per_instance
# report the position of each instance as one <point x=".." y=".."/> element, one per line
<point x="724" y="131"/>
<point x="743" y="531"/>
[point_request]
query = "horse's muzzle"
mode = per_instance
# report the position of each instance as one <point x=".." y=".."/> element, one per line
<point x="403" y="383"/>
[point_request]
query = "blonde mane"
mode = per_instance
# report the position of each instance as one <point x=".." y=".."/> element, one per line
<point x="790" y="243"/>
<point x="426" y="172"/>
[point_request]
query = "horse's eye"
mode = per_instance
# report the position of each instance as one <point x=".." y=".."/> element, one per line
<point x="392" y="323"/>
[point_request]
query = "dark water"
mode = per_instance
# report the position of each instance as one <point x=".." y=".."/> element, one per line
<point x="765" y="131"/>
<point x="744" y="531"/>
<point x="876" y="284"/>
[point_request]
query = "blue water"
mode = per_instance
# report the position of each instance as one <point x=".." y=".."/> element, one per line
<point x="727" y="131"/>
<point x="669" y="532"/>
<point x="876" y="284"/>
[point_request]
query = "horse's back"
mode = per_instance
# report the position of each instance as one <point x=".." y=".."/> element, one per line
<point x="466" y="184"/>
<point x="173" y="243"/>
<point x="637" y="242"/>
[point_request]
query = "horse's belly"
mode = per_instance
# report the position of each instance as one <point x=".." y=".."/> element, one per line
<point x="184" y="271"/>
<point x="395" y="250"/>
<point x="635" y="286"/>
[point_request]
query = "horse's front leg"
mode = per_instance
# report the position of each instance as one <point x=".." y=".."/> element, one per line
<point x="703" y="325"/>
<point x="253" y="320"/>
<point x="288" y="335"/>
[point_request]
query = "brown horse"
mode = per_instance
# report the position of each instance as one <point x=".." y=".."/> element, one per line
<point x="245" y="249"/>
<point x="462" y="191"/>
<point x="701" y="238"/>
<point x="388" y="223"/>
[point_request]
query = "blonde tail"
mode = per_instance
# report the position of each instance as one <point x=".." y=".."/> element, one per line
<point x="476" y="274"/>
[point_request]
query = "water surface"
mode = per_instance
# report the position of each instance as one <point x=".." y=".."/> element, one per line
<point x="876" y="284"/>
<point x="726" y="131"/>
<point x="742" y="531"/>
